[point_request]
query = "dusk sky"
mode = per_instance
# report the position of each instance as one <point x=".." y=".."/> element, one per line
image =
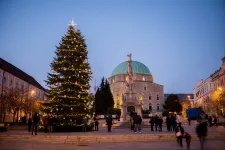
<point x="180" y="41"/>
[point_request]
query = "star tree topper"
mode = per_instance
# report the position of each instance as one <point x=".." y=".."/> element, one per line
<point x="72" y="23"/>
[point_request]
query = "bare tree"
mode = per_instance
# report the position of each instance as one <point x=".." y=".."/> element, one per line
<point x="15" y="98"/>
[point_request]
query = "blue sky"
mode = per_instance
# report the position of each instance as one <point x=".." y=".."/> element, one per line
<point x="181" y="41"/>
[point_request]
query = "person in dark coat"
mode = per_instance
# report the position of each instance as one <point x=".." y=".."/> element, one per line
<point x="45" y="123"/>
<point x="160" y="122"/>
<point x="187" y="136"/>
<point x="96" y="122"/>
<point x="173" y="123"/>
<point x="189" y="121"/>
<point x="50" y="124"/>
<point x="109" y="122"/>
<point x="202" y="132"/>
<point x="179" y="134"/>
<point x="168" y="123"/>
<point x="152" y="121"/>
<point x="29" y="124"/>
<point x="36" y="120"/>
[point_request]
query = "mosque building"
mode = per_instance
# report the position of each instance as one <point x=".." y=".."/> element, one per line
<point x="133" y="89"/>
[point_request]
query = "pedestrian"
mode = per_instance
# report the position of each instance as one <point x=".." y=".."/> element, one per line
<point x="189" y="121"/>
<point x="152" y="121"/>
<point x="84" y="124"/>
<point x="131" y="124"/>
<point x="50" y="124"/>
<point x="109" y="122"/>
<point x="96" y="122"/>
<point x="45" y="124"/>
<point x="202" y="132"/>
<point x="138" y="125"/>
<point x="173" y="123"/>
<point x="29" y="124"/>
<point x="168" y="123"/>
<point x="179" y="134"/>
<point x="160" y="122"/>
<point x="187" y="136"/>
<point x="36" y="120"/>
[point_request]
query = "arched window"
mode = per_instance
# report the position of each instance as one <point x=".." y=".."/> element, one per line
<point x="150" y="107"/>
<point x="140" y="98"/>
<point x="113" y="80"/>
<point x="150" y="97"/>
<point x="157" y="96"/>
<point x="143" y="78"/>
<point x="126" y="78"/>
<point x="158" y="106"/>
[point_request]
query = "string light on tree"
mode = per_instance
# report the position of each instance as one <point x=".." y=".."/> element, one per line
<point x="68" y="70"/>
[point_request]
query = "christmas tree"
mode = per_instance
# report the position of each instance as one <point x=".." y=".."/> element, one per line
<point x="70" y="99"/>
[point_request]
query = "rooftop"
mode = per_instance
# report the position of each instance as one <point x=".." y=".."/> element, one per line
<point x="4" y="65"/>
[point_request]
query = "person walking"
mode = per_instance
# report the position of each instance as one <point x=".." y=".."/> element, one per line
<point x="96" y="122"/>
<point x="168" y="123"/>
<point x="45" y="124"/>
<point x="152" y="121"/>
<point x="50" y="124"/>
<point x="36" y="120"/>
<point x="179" y="134"/>
<point x="202" y="132"/>
<point x="139" y="123"/>
<point x="160" y="122"/>
<point x="189" y="121"/>
<point x="109" y="122"/>
<point x="85" y="124"/>
<point x="187" y="136"/>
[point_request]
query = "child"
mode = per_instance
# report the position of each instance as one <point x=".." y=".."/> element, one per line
<point x="187" y="136"/>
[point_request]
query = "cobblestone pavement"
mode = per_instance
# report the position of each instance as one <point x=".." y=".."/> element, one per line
<point x="209" y="145"/>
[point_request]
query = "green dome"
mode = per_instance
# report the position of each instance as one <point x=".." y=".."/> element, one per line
<point x="137" y="68"/>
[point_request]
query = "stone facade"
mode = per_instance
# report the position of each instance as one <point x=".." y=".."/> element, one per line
<point x="11" y="77"/>
<point x="147" y="94"/>
<point x="204" y="91"/>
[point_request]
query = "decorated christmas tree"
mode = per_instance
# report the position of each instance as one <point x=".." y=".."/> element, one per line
<point x="69" y="88"/>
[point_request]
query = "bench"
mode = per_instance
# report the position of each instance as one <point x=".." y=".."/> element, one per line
<point x="3" y="127"/>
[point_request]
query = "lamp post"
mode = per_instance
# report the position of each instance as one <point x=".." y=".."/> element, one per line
<point x="32" y="92"/>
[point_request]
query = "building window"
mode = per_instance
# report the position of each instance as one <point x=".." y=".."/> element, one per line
<point x="113" y="80"/>
<point x="145" y="88"/>
<point x="143" y="78"/>
<point x="157" y="97"/>
<point x="126" y="78"/>
<point x="140" y="98"/>
<point x="150" y="107"/>
<point x="158" y="106"/>
<point x="150" y="97"/>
